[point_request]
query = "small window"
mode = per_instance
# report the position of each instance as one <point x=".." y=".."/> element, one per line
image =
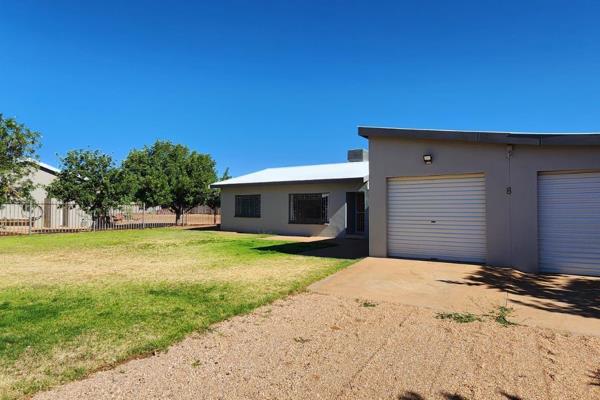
<point x="309" y="208"/>
<point x="247" y="205"/>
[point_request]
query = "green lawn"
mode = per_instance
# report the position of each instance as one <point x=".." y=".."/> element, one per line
<point x="73" y="303"/>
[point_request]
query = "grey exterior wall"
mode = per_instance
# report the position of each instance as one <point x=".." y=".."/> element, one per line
<point x="274" y="208"/>
<point x="511" y="219"/>
<point x="43" y="178"/>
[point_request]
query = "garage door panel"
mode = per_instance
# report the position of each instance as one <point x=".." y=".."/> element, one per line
<point x="431" y="238"/>
<point x="439" y="217"/>
<point x="457" y="200"/>
<point x="438" y="179"/>
<point x="463" y="213"/>
<point x="445" y="219"/>
<point x="458" y="214"/>
<point x="456" y="204"/>
<point x="451" y="229"/>
<point x="579" y="231"/>
<point x="460" y="257"/>
<point x="566" y="181"/>
<point x="589" y="258"/>
<point x="569" y="223"/>
<point x="442" y="224"/>
<point x="440" y="230"/>
<point x="581" y="269"/>
<point x="455" y="193"/>
<point x="447" y="249"/>
<point x="572" y="244"/>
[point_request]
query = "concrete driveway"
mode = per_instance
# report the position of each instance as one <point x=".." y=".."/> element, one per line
<point x="565" y="303"/>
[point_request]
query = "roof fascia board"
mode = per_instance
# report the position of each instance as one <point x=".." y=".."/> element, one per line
<point x="535" y="139"/>
<point x="309" y="181"/>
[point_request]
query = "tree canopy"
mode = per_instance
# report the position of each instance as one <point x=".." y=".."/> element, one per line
<point x="171" y="176"/>
<point x="18" y="146"/>
<point x="91" y="180"/>
<point x="214" y="198"/>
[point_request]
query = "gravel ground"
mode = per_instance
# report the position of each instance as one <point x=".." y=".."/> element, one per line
<point x="321" y="346"/>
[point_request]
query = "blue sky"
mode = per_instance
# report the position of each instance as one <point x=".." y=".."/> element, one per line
<point x="260" y="83"/>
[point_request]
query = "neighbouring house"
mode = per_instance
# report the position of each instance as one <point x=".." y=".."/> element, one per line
<point x="525" y="200"/>
<point x="42" y="177"/>
<point x="313" y="200"/>
<point x="40" y="211"/>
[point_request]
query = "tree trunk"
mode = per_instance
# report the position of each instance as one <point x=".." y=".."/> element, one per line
<point x="178" y="216"/>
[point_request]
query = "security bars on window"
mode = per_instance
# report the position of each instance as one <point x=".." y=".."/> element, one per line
<point x="308" y="208"/>
<point x="247" y="205"/>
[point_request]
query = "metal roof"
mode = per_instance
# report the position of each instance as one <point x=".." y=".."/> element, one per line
<point x="303" y="173"/>
<point x="530" y="138"/>
<point x="45" y="167"/>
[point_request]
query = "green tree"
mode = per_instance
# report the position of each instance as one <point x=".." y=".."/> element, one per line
<point x="18" y="146"/>
<point x="170" y="176"/>
<point x="91" y="180"/>
<point x="214" y="198"/>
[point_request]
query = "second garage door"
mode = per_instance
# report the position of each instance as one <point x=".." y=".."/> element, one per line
<point x="569" y="223"/>
<point x="438" y="217"/>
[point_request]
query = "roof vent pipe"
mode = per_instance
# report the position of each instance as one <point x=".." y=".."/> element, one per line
<point x="358" y="155"/>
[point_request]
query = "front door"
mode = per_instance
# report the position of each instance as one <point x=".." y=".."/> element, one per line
<point x="355" y="213"/>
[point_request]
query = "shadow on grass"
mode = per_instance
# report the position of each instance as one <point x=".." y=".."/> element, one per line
<point x="215" y="228"/>
<point x="346" y="249"/>
<point x="297" y="247"/>
<point x="563" y="294"/>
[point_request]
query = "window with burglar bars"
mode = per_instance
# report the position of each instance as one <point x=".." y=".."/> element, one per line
<point x="247" y="205"/>
<point x="309" y="208"/>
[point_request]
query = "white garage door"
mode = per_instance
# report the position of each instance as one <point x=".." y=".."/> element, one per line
<point x="439" y="217"/>
<point x="569" y="223"/>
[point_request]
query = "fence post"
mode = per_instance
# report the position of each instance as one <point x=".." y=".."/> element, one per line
<point x="144" y="215"/>
<point x="30" y="215"/>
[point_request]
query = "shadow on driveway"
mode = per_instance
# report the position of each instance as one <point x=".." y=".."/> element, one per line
<point x="555" y="293"/>
<point x="448" y="396"/>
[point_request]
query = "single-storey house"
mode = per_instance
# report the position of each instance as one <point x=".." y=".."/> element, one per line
<point x="314" y="200"/>
<point x="525" y="200"/>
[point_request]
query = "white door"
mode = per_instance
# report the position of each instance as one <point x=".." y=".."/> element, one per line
<point x="437" y="217"/>
<point x="569" y="223"/>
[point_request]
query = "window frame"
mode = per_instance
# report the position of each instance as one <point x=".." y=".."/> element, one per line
<point x="240" y="197"/>
<point x="324" y="220"/>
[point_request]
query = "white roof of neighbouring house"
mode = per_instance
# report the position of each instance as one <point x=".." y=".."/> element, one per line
<point x="43" y="166"/>
<point x="303" y="173"/>
<point x="48" y="167"/>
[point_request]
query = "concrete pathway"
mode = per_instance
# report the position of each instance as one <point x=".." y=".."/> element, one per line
<point x="567" y="303"/>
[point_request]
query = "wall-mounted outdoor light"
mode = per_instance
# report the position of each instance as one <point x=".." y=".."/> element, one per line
<point x="427" y="159"/>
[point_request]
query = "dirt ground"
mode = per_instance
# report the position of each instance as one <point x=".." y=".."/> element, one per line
<point x="322" y="346"/>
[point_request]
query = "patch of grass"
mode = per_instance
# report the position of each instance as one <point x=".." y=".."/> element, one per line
<point x="461" y="318"/>
<point x="501" y="316"/>
<point x="74" y="303"/>
<point x="300" y="339"/>
<point x="368" y="304"/>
